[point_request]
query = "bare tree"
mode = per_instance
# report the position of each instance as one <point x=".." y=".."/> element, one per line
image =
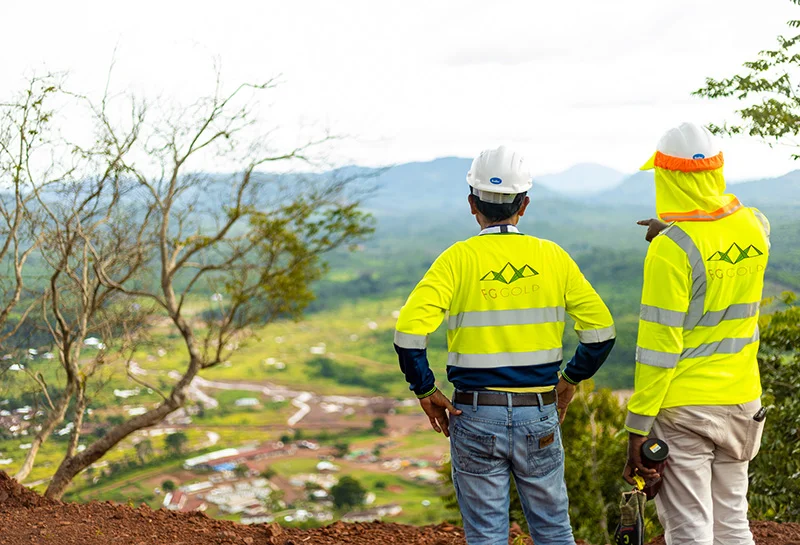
<point x="82" y="217"/>
<point x="26" y="165"/>
<point x="32" y="160"/>
<point x="171" y="233"/>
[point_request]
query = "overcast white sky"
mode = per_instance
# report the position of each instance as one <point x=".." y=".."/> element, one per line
<point x="565" y="82"/>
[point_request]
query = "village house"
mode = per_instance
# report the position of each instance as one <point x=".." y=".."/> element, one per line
<point x="376" y="513"/>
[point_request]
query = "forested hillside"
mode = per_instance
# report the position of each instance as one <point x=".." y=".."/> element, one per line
<point x="421" y="208"/>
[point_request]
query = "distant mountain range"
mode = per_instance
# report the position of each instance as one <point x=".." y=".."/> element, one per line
<point x="582" y="179"/>
<point x="439" y="184"/>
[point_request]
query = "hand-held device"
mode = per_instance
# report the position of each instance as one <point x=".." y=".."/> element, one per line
<point x="655" y="453"/>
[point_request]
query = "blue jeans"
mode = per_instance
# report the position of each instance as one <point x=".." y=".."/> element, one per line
<point x="487" y="446"/>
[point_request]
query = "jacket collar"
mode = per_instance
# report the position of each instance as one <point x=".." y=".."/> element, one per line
<point x="495" y="229"/>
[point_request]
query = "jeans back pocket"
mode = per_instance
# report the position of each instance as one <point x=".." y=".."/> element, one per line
<point x="545" y="454"/>
<point x="473" y="452"/>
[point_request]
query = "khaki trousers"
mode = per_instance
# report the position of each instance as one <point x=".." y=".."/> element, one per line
<point x="703" y="499"/>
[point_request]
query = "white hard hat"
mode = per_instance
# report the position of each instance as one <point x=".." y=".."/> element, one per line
<point x="498" y="175"/>
<point x="689" y="141"/>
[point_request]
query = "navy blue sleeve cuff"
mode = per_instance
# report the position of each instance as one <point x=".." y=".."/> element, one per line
<point x="587" y="360"/>
<point x="414" y="364"/>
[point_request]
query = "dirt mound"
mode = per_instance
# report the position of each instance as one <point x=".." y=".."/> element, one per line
<point x="766" y="533"/>
<point x="14" y="495"/>
<point x="27" y="518"/>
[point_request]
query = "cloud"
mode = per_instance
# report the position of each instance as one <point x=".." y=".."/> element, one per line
<point x="505" y="56"/>
<point x="634" y="103"/>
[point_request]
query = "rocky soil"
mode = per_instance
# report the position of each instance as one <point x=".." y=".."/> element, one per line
<point x="27" y="518"/>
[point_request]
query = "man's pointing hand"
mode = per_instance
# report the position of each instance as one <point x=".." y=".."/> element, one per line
<point x="654" y="227"/>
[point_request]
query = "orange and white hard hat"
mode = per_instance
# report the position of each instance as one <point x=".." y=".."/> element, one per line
<point x="685" y="145"/>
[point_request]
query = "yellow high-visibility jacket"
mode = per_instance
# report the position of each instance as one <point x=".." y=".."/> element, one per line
<point x="507" y="296"/>
<point x="703" y="283"/>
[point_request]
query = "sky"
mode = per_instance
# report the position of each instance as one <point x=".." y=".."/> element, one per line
<point x="563" y="82"/>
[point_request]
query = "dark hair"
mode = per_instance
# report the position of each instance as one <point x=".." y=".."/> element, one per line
<point x="499" y="212"/>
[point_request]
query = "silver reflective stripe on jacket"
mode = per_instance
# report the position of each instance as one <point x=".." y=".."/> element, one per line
<point x="662" y="316"/>
<point x="639" y="422"/>
<point x="407" y="340"/>
<point x="506" y="317"/>
<point x="656" y="358"/>
<point x="738" y="311"/>
<point x="674" y="318"/>
<point x="504" y="359"/>
<point x="588" y="336"/>
<point x="699" y="280"/>
<point x="725" y="346"/>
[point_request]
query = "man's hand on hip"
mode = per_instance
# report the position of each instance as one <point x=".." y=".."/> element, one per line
<point x="634" y="466"/>
<point x="436" y="407"/>
<point x="565" y="392"/>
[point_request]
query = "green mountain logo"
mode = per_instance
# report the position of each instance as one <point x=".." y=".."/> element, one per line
<point x="735" y="254"/>
<point x="509" y="274"/>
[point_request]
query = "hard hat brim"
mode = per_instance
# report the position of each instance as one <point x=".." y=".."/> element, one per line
<point x="650" y="164"/>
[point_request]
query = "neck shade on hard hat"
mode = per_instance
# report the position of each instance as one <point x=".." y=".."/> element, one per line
<point x="690" y="185"/>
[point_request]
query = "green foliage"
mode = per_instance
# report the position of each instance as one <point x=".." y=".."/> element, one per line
<point x="168" y="486"/>
<point x="268" y="473"/>
<point x="768" y="87"/>
<point x="289" y="240"/>
<point x="775" y="473"/>
<point x="176" y="442"/>
<point x="348" y="493"/>
<point x="341" y="449"/>
<point x="348" y="375"/>
<point x="378" y="426"/>
<point x="595" y="450"/>
<point x="144" y="450"/>
<point x="274" y="502"/>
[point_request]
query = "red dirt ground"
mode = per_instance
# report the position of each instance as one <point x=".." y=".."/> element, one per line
<point x="27" y="518"/>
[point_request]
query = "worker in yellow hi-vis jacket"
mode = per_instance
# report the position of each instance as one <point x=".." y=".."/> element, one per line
<point x="507" y="295"/>
<point x="697" y="383"/>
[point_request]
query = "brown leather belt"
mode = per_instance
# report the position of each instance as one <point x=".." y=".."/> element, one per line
<point x="500" y="399"/>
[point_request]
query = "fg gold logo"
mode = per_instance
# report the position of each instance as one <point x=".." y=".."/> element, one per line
<point x="736" y="254"/>
<point x="509" y="274"/>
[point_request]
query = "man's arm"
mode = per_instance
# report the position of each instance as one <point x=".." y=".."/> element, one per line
<point x="420" y="316"/>
<point x="665" y="301"/>
<point x="593" y="324"/>
<point x="595" y="328"/>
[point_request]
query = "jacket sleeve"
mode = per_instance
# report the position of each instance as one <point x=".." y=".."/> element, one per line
<point x="665" y="302"/>
<point x="593" y="324"/>
<point x="765" y="226"/>
<point x="420" y="316"/>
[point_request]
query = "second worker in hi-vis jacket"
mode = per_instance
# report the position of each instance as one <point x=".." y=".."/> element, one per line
<point x="697" y="380"/>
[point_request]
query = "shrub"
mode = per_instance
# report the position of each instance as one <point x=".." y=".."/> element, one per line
<point x="775" y="473"/>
